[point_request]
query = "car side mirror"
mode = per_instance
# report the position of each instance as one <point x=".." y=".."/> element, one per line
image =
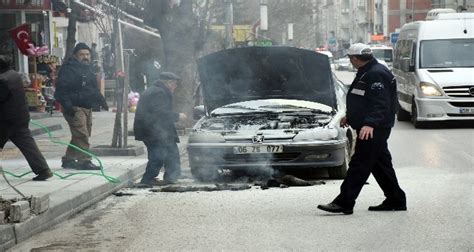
<point x="405" y="65"/>
<point x="198" y="112"/>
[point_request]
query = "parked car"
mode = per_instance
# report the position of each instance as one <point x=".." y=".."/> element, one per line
<point x="270" y="107"/>
<point x="343" y="64"/>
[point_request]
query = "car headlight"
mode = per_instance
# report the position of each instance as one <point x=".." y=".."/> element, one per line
<point x="316" y="134"/>
<point x="430" y="89"/>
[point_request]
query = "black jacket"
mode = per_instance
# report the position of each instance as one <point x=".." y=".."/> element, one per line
<point x="154" y="118"/>
<point x="77" y="86"/>
<point x="13" y="105"/>
<point x="372" y="97"/>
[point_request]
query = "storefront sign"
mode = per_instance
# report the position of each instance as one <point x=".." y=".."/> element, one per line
<point x="25" y="4"/>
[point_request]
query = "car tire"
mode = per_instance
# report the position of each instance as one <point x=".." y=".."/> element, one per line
<point x="205" y="174"/>
<point x="340" y="172"/>
<point x="403" y="115"/>
<point x="414" y="117"/>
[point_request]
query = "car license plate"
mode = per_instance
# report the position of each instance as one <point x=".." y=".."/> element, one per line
<point x="254" y="149"/>
<point x="466" y="110"/>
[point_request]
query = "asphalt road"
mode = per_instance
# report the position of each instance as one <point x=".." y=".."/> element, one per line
<point x="435" y="168"/>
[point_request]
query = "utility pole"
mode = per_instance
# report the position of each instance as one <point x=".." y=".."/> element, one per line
<point x="229" y="24"/>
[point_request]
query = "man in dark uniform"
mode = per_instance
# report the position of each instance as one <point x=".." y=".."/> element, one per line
<point x="371" y="107"/>
<point x="154" y="125"/>
<point x="77" y="91"/>
<point x="15" y="118"/>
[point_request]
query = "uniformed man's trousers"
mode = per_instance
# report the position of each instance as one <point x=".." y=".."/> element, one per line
<point x="371" y="156"/>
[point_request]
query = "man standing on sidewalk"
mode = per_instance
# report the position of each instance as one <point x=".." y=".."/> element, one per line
<point x="15" y="118"/>
<point x="78" y="93"/>
<point x="154" y="125"/>
<point x="371" y="107"/>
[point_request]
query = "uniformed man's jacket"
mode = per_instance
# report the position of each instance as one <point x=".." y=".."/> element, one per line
<point x="154" y="118"/>
<point x="13" y="105"/>
<point x="77" y="86"/>
<point x="372" y="97"/>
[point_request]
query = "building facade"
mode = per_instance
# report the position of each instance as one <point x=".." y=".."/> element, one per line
<point x="14" y="13"/>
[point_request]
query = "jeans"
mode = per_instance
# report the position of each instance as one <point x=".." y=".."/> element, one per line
<point x="162" y="154"/>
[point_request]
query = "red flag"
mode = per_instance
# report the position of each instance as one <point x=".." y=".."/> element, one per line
<point x="21" y="36"/>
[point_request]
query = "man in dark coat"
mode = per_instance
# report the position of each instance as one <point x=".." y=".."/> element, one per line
<point x="78" y="93"/>
<point x="371" y="107"/>
<point x="155" y="125"/>
<point x="15" y="118"/>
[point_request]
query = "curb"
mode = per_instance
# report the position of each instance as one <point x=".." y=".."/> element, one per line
<point x="12" y="234"/>
<point x="39" y="131"/>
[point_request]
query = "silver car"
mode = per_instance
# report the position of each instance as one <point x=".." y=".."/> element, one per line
<point x="269" y="107"/>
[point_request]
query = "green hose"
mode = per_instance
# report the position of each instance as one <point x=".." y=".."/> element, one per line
<point x="108" y="178"/>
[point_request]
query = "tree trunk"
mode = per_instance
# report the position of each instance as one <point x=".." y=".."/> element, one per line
<point x="177" y="25"/>
<point x="71" y="31"/>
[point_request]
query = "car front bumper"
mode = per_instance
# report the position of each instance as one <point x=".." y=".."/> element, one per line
<point x="294" y="155"/>
<point x="445" y="109"/>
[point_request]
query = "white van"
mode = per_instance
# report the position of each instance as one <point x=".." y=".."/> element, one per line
<point x="434" y="67"/>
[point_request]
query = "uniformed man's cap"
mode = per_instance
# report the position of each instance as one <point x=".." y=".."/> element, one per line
<point x="359" y="49"/>
<point x="169" y="76"/>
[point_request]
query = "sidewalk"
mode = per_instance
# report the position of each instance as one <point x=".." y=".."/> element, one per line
<point x="71" y="195"/>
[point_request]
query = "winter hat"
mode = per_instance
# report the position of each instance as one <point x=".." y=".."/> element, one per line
<point x="81" y="46"/>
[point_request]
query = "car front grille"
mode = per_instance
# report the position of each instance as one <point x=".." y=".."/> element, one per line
<point x="276" y="157"/>
<point x="462" y="104"/>
<point x="460" y="91"/>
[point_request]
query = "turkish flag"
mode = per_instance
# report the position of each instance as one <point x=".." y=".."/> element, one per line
<point x="21" y="36"/>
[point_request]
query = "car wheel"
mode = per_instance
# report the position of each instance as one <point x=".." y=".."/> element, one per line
<point x="414" y="117"/>
<point x="403" y="115"/>
<point x="340" y="172"/>
<point x="205" y="174"/>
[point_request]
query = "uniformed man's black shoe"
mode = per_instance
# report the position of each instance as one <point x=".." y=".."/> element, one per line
<point x="335" y="208"/>
<point x="44" y="175"/>
<point x="387" y="207"/>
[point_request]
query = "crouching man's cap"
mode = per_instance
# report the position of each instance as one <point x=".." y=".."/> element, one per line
<point x="169" y="76"/>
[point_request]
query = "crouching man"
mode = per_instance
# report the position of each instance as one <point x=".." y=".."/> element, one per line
<point x="155" y="125"/>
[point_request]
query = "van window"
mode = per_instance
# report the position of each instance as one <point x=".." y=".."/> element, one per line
<point x="383" y="54"/>
<point x="447" y="53"/>
<point x="403" y="49"/>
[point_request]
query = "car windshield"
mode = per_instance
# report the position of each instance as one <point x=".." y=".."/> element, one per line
<point x="383" y="54"/>
<point x="447" y="53"/>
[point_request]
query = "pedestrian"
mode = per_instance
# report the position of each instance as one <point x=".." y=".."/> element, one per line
<point x="155" y="125"/>
<point x="15" y="119"/>
<point x="78" y="93"/>
<point x="95" y="57"/>
<point x="371" y="107"/>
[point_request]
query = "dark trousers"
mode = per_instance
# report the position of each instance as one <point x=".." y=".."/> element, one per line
<point x="162" y="154"/>
<point x="371" y="156"/>
<point x="21" y="137"/>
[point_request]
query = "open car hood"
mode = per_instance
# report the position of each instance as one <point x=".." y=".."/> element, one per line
<point x="255" y="73"/>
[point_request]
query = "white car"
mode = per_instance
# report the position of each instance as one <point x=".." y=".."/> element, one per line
<point x="270" y="107"/>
